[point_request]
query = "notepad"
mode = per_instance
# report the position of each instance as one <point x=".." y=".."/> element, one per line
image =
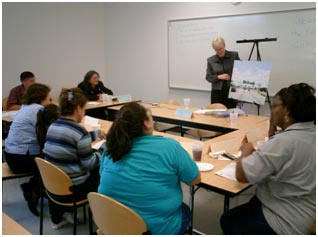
<point x="97" y="145"/>
<point x="93" y="122"/>
<point x="228" y="172"/>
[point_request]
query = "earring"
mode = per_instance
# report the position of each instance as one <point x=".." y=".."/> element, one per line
<point x="286" y="118"/>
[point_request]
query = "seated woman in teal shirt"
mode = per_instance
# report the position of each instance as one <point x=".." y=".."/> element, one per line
<point x="145" y="172"/>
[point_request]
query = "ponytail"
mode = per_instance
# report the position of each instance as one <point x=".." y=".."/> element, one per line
<point x="118" y="140"/>
<point x="40" y="129"/>
<point x="45" y="117"/>
<point x="128" y="125"/>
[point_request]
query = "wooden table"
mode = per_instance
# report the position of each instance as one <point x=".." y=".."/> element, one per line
<point x="11" y="227"/>
<point x="167" y="114"/>
<point x="103" y="104"/>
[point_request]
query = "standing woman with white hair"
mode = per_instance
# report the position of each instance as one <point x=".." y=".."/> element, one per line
<point x="219" y="73"/>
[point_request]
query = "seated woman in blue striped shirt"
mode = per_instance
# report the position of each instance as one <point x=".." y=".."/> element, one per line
<point x="68" y="146"/>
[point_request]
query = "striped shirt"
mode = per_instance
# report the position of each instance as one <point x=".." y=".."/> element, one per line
<point x="68" y="146"/>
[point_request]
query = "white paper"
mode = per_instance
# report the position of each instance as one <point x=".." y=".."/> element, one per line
<point x="223" y="158"/>
<point x="92" y="103"/>
<point x="228" y="172"/>
<point x="10" y="113"/>
<point x="208" y="111"/>
<point x="88" y="120"/>
<point x="97" y="145"/>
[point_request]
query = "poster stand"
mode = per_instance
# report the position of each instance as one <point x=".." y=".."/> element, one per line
<point x="256" y="43"/>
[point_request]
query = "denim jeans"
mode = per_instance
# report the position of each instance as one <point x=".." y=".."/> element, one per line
<point x="247" y="219"/>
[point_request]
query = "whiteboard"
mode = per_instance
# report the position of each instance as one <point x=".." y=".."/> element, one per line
<point x="293" y="55"/>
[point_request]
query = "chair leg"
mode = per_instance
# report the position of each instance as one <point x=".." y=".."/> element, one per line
<point x="74" y="219"/>
<point x="84" y="212"/>
<point x="41" y="214"/>
<point x="90" y="221"/>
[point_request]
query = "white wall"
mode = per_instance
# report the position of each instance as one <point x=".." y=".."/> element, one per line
<point x="126" y="42"/>
<point x="136" y="41"/>
<point x="59" y="42"/>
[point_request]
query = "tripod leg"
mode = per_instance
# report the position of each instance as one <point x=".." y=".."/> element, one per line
<point x="249" y="58"/>
<point x="258" y="53"/>
<point x="269" y="102"/>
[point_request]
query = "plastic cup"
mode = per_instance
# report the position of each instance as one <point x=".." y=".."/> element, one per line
<point x="107" y="98"/>
<point x="197" y="150"/>
<point x="186" y="102"/>
<point x="233" y="117"/>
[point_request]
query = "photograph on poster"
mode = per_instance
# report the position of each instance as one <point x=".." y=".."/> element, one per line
<point x="250" y="81"/>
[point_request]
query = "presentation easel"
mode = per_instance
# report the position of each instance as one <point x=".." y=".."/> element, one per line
<point x="256" y="43"/>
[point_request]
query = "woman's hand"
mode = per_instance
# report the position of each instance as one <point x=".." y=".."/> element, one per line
<point x="224" y="76"/>
<point x="272" y="127"/>
<point x="103" y="135"/>
<point x="244" y="140"/>
<point x="247" y="149"/>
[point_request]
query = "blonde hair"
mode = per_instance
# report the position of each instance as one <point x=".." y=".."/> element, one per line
<point x="217" y="43"/>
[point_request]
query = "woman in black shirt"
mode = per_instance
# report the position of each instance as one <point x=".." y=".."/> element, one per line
<point x="92" y="87"/>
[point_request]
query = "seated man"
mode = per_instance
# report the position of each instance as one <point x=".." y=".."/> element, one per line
<point x="16" y="93"/>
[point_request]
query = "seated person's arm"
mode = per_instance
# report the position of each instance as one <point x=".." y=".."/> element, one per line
<point x="13" y="107"/>
<point x="246" y="149"/>
<point x="105" y="89"/>
<point x="196" y="181"/>
<point x="13" y="101"/>
<point x="187" y="169"/>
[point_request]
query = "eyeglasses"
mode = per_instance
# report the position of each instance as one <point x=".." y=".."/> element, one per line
<point x="276" y="105"/>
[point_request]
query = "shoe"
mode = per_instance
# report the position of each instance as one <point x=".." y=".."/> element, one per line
<point x="30" y="197"/>
<point x="60" y="224"/>
<point x="25" y="187"/>
<point x="69" y="217"/>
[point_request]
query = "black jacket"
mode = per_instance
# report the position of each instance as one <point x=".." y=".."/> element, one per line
<point x="216" y="66"/>
<point x="92" y="93"/>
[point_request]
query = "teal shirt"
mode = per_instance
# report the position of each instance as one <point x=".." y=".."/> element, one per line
<point x="147" y="179"/>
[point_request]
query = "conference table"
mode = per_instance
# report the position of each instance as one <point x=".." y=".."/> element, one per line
<point x="104" y="104"/>
<point x="167" y="114"/>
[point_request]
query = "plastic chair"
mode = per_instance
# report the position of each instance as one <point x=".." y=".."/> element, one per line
<point x="164" y="127"/>
<point x="57" y="182"/>
<point x="205" y="134"/>
<point x="114" y="218"/>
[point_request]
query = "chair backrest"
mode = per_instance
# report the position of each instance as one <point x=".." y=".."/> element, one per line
<point x="216" y="106"/>
<point x="114" y="218"/>
<point x="171" y="102"/>
<point x="55" y="180"/>
<point x="4" y="103"/>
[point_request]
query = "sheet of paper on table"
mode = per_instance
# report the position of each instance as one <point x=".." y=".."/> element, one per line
<point x="228" y="172"/>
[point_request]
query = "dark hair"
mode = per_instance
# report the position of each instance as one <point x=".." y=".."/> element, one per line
<point x="36" y="93"/>
<point x="70" y="99"/>
<point x="300" y="100"/>
<point x="26" y="75"/>
<point x="89" y="74"/>
<point x="45" y="117"/>
<point x="129" y="124"/>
